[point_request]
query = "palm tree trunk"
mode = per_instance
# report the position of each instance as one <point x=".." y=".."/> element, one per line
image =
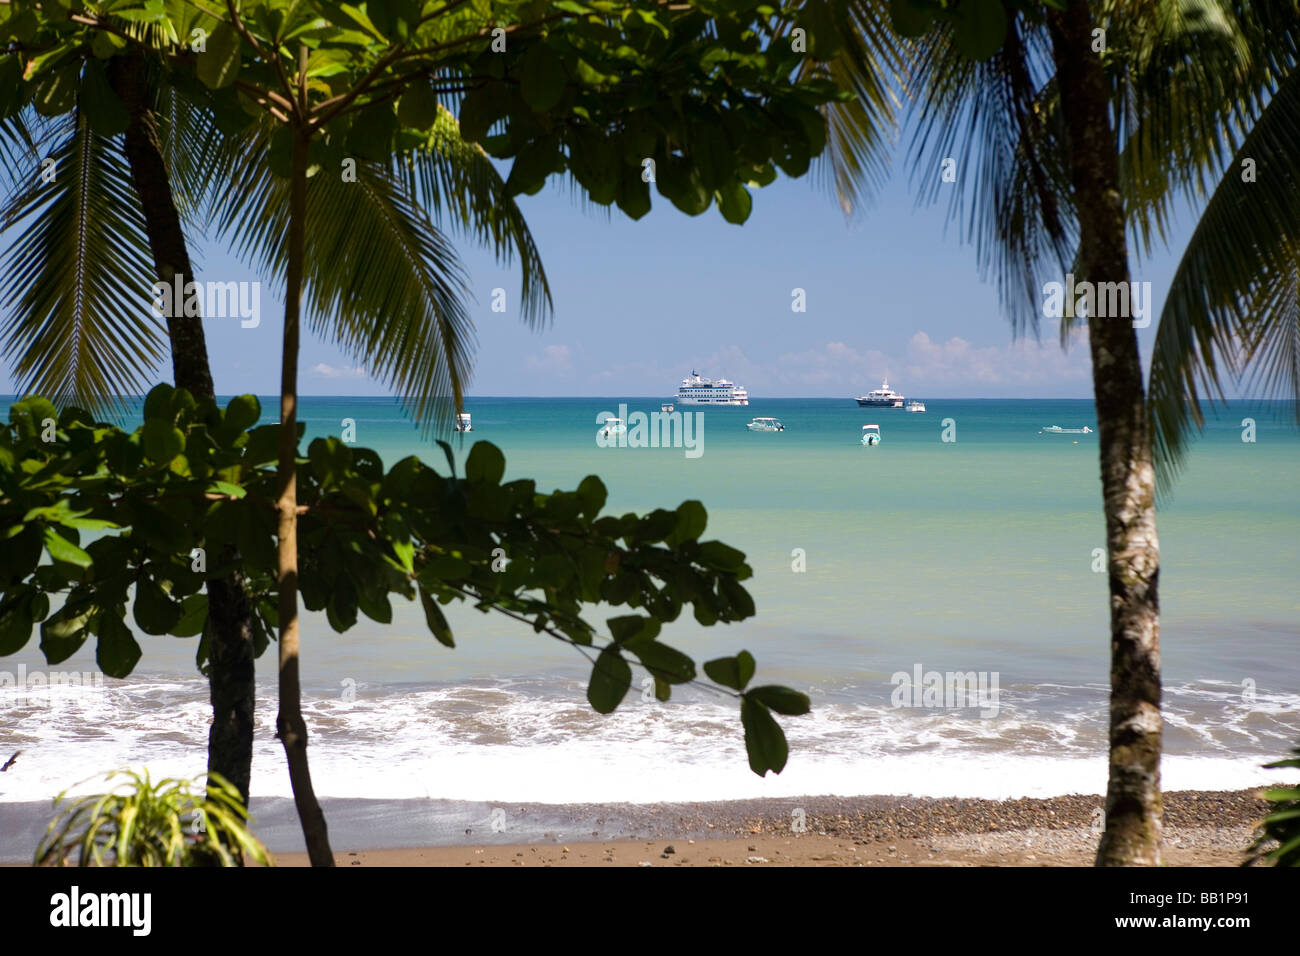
<point x="290" y="727"/>
<point x="1133" y="803"/>
<point x="230" y="616"/>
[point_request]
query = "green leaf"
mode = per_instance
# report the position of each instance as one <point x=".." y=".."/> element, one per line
<point x="57" y="92"/>
<point x="418" y="107"/>
<point x="117" y="652"/>
<point x="433" y="615"/>
<point x="541" y="77"/>
<point x="664" y="662"/>
<point x="692" y="519"/>
<point x="632" y="627"/>
<point x="593" y="493"/>
<point x="485" y="463"/>
<point x="107" y="115"/>
<point x="911" y="19"/>
<point x="783" y="700"/>
<point x="715" y="554"/>
<point x="979" y="28"/>
<point x="611" y="676"/>
<point x="194" y="614"/>
<point x="64" y="631"/>
<point x="242" y="413"/>
<point x="162" y="441"/>
<point x="17" y="616"/>
<point x="764" y="740"/>
<point x="61" y="549"/>
<point x="218" y="65"/>
<point x="154" y="611"/>
<point x="734" y="672"/>
<point x="735" y="202"/>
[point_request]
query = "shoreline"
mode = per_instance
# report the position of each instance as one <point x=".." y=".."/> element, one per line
<point x="1201" y="828"/>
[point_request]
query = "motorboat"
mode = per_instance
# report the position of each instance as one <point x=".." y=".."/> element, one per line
<point x="462" y="423"/>
<point x="871" y="434"/>
<point x="765" y="425"/>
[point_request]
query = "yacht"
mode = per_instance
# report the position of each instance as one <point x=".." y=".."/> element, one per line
<point x="666" y="407"/>
<point x="1058" y="430"/>
<point x="915" y="406"/>
<point x="883" y="397"/>
<point x="871" y="434"/>
<point x="613" y="426"/>
<point x="765" y="425"/>
<point x="696" y="390"/>
<point x="462" y="423"/>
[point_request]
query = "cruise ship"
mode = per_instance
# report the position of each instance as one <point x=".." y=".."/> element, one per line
<point x="695" y="390"/>
<point x="883" y="397"/>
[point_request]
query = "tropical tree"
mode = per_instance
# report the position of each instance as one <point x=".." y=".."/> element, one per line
<point x="577" y="89"/>
<point x="1071" y="124"/>
<point x="69" y="339"/>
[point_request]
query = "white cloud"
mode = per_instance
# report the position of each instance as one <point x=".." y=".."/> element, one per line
<point x="956" y="363"/>
<point x="556" y="359"/>
<point x="338" y="371"/>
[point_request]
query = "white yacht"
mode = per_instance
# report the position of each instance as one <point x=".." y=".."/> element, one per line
<point x="915" y="406"/>
<point x="883" y="397"/>
<point x="613" y="426"/>
<point x="871" y="434"/>
<point x="462" y="423"/>
<point x="696" y="390"/>
<point x="765" y="425"/>
<point x="666" y="407"/>
<point x="1058" y="430"/>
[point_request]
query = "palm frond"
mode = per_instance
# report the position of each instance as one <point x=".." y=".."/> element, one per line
<point x="1232" y="302"/>
<point x="457" y="183"/>
<point x="382" y="281"/>
<point x="76" y="277"/>
<point x="860" y="132"/>
<point x="996" y="122"/>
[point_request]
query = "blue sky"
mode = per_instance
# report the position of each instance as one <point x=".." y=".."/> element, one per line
<point x="638" y="305"/>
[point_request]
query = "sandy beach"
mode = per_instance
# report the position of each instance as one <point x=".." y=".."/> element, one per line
<point x="1202" y="828"/>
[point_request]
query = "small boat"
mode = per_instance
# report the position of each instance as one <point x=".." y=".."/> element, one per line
<point x="871" y="434"/>
<point x="765" y="425"/>
<point x="666" y="407"/>
<point x="462" y="423"/>
<point x="883" y="397"/>
<point x="915" y="406"/>
<point x="613" y="426"/>
<point x="1058" y="430"/>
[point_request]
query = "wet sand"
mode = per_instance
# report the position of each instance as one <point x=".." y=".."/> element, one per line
<point x="1201" y="828"/>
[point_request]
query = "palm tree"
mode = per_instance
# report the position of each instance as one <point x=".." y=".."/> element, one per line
<point x="118" y="210"/>
<point x="1066" y="144"/>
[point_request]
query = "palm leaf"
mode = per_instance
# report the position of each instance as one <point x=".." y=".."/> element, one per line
<point x="382" y="281"/>
<point x="76" y="277"/>
<point x="1232" y="303"/>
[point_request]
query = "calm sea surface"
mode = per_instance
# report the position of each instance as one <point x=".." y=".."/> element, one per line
<point x="970" y="555"/>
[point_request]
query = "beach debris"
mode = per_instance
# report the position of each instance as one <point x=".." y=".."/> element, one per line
<point x="756" y="859"/>
<point x="669" y="849"/>
<point x="690" y="841"/>
<point x="564" y="850"/>
<point x="645" y="863"/>
<point x="10" y="762"/>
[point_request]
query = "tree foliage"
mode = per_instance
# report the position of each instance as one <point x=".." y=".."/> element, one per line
<point x="103" y="523"/>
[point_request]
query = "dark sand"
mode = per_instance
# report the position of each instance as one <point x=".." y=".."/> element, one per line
<point x="1201" y="828"/>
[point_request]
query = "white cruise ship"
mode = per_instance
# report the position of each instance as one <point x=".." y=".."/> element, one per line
<point x="883" y="397"/>
<point x="695" y="390"/>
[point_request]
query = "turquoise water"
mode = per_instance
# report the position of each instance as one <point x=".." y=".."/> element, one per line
<point x="973" y="555"/>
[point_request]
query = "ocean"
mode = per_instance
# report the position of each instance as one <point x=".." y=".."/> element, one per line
<point x="920" y="558"/>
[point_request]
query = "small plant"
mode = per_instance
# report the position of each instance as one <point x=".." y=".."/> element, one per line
<point x="140" y="823"/>
<point x="1282" y="826"/>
